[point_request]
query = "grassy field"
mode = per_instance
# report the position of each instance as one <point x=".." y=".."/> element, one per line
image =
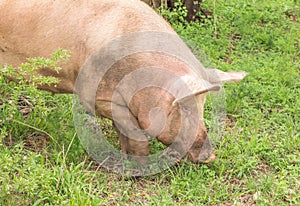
<point x="43" y="163"/>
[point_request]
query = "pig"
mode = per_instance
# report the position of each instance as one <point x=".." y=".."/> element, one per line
<point x="31" y="28"/>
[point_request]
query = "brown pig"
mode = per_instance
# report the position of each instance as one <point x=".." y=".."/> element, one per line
<point x="157" y="88"/>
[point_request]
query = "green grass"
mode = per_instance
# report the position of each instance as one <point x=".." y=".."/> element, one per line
<point x="258" y="156"/>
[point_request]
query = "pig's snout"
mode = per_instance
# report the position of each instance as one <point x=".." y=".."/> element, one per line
<point x="212" y="157"/>
<point x="203" y="153"/>
<point x="204" y="157"/>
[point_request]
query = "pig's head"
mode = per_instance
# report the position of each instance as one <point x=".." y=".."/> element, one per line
<point x="185" y="130"/>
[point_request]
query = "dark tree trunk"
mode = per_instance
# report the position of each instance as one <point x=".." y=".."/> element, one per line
<point x="192" y="6"/>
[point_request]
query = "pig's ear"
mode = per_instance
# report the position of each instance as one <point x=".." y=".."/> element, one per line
<point x="190" y="86"/>
<point x="216" y="76"/>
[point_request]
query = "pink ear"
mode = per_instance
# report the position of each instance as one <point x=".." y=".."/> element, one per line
<point x="193" y="86"/>
<point x="218" y="76"/>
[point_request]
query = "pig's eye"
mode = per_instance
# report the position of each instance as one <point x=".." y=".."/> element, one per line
<point x="186" y="110"/>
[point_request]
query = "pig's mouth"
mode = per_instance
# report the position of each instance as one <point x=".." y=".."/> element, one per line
<point x="203" y="158"/>
<point x="210" y="159"/>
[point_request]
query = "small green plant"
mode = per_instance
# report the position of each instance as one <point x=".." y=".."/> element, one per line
<point x="26" y="74"/>
<point x="177" y="15"/>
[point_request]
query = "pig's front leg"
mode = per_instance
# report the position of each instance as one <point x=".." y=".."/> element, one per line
<point x="131" y="146"/>
<point x="132" y="139"/>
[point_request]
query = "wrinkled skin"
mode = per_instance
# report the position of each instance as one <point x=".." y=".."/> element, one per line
<point x="30" y="28"/>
